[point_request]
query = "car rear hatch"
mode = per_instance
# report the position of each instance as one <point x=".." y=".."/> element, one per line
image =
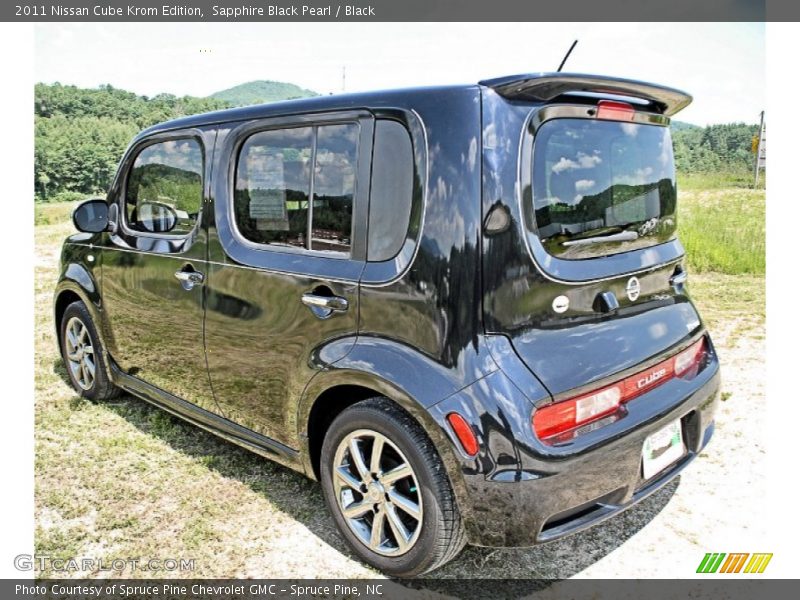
<point x="582" y="269"/>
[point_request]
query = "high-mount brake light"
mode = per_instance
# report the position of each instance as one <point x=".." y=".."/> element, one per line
<point x="569" y="418"/>
<point x="614" y="111"/>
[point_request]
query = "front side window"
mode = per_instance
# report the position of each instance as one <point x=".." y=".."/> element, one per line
<point x="602" y="187"/>
<point x="164" y="191"/>
<point x="277" y="173"/>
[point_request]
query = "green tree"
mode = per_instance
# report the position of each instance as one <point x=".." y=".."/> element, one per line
<point x="714" y="148"/>
<point x="81" y="134"/>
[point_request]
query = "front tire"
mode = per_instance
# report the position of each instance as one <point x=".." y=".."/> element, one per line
<point x="83" y="355"/>
<point x="388" y="491"/>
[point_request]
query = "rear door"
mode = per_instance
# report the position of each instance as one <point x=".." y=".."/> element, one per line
<point x="590" y="283"/>
<point x="287" y="251"/>
<point x="154" y="265"/>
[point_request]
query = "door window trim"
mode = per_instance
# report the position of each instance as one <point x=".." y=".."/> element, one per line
<point x="314" y="126"/>
<point x="299" y="261"/>
<point x="386" y="272"/>
<point x="588" y="270"/>
<point x="130" y="158"/>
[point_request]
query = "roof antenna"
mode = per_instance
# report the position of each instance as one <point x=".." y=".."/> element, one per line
<point x="571" y="48"/>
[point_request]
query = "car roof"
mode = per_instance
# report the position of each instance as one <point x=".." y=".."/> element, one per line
<point x="532" y="87"/>
<point x="384" y="98"/>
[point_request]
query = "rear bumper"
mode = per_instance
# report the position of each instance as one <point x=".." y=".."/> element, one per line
<point x="601" y="509"/>
<point x="545" y="497"/>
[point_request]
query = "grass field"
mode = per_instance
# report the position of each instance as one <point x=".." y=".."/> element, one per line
<point x="723" y="180"/>
<point x="724" y="231"/>
<point x="125" y="480"/>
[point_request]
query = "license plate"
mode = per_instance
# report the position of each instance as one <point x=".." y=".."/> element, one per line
<point x="662" y="448"/>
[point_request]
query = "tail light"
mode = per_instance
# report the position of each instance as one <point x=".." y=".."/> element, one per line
<point x="614" y="111"/>
<point x="568" y="415"/>
<point x="690" y="358"/>
<point x="569" y="418"/>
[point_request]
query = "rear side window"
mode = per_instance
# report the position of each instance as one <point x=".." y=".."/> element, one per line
<point x="602" y="187"/>
<point x="277" y="174"/>
<point x="164" y="191"/>
<point x="334" y="187"/>
<point x="392" y="190"/>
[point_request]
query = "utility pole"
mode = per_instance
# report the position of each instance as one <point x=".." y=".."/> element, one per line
<point x="760" y="162"/>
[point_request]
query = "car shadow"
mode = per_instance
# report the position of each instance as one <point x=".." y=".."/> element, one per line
<point x="60" y="369"/>
<point x="522" y="570"/>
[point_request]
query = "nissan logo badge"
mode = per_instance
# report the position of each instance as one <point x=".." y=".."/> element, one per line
<point x="560" y="304"/>
<point x="633" y="288"/>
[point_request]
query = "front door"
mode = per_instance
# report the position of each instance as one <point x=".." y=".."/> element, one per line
<point x="286" y="253"/>
<point x="155" y="265"/>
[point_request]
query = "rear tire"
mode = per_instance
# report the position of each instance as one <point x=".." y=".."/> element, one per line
<point x="397" y="511"/>
<point x="84" y="356"/>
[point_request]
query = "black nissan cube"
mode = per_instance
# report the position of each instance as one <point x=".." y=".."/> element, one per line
<point x="462" y="309"/>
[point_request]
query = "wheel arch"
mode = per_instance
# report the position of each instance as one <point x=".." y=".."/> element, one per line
<point x="328" y="405"/>
<point x="60" y="304"/>
<point x="77" y="284"/>
<point x="66" y="295"/>
<point x="331" y="392"/>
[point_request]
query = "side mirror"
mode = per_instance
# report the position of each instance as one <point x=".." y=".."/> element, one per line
<point x="91" y="216"/>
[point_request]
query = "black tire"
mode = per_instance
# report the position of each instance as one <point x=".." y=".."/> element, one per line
<point x="441" y="533"/>
<point x="101" y="387"/>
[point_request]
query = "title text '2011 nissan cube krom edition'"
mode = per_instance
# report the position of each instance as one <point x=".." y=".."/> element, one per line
<point x="462" y="309"/>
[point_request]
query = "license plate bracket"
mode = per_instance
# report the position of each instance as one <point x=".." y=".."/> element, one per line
<point x="662" y="448"/>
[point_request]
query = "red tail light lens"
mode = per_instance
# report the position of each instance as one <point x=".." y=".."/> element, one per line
<point x="568" y="418"/>
<point x="555" y="419"/>
<point x="690" y="358"/>
<point x="614" y="111"/>
<point x="464" y="433"/>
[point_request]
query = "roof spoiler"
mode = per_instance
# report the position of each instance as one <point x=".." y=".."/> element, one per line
<point x="545" y="87"/>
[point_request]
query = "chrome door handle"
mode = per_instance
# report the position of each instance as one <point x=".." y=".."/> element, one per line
<point x="189" y="279"/>
<point x="326" y="303"/>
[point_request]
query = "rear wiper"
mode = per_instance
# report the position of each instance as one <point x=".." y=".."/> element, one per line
<point x="622" y="236"/>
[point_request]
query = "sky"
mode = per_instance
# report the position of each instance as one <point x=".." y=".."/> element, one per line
<point x="720" y="64"/>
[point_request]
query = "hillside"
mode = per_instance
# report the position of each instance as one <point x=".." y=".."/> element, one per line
<point x="259" y="92"/>
<point x="677" y="126"/>
<point x="105" y="101"/>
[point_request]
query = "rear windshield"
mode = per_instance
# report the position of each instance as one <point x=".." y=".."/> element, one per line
<point x="602" y="187"/>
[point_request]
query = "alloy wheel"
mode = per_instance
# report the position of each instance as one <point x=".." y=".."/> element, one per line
<point x="80" y="353"/>
<point x="377" y="492"/>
